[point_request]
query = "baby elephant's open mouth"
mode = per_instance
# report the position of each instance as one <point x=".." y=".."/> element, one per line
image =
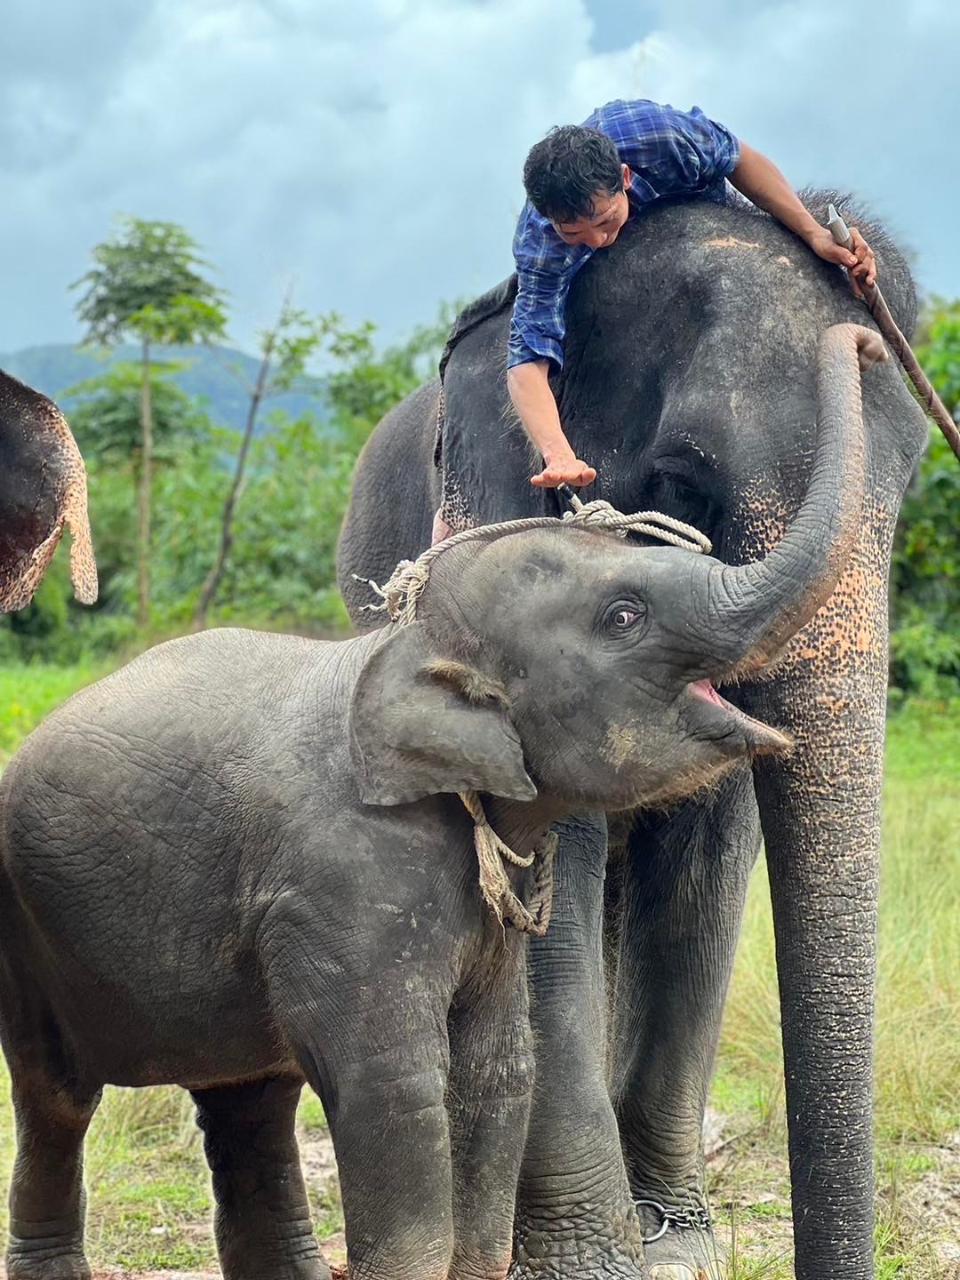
<point x="714" y="718"/>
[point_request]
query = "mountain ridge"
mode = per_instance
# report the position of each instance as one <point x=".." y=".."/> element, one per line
<point x="54" y="367"/>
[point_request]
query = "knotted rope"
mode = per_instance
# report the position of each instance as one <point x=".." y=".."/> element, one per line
<point x="408" y="581"/>
<point x="399" y="597"/>
<point x="495" y="886"/>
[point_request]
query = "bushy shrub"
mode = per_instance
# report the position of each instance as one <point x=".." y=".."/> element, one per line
<point x="925" y="589"/>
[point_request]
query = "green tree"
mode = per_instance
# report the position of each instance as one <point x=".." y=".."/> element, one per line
<point x="106" y="415"/>
<point x="926" y="567"/>
<point x="285" y="350"/>
<point x="148" y="282"/>
<point x="359" y="385"/>
<point x="365" y="383"/>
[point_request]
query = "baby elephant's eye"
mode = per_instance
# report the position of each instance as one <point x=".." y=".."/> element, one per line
<point x="624" y="615"/>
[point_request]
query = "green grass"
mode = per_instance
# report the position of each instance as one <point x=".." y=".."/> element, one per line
<point x="918" y="1011"/>
<point x="28" y="693"/>
<point x="149" y="1196"/>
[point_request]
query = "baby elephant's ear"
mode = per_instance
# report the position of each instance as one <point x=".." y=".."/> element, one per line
<point x="43" y="489"/>
<point x="419" y="726"/>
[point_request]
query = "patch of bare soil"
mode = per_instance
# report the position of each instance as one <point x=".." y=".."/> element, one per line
<point x="935" y="1200"/>
<point x="750" y="1197"/>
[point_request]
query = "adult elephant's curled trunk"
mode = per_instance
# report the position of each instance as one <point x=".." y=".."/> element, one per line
<point x="761" y="606"/>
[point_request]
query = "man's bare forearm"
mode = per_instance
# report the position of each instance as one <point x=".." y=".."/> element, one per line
<point x="762" y="182"/>
<point x="533" y="399"/>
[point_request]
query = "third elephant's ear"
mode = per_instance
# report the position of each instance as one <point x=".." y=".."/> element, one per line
<point x="43" y="489"/>
<point x="420" y="726"/>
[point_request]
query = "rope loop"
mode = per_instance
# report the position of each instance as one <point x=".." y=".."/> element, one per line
<point x="531" y="917"/>
<point x="407" y="583"/>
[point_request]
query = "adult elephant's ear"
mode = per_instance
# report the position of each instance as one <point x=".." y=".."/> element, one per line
<point x="43" y="489"/>
<point x="420" y="725"/>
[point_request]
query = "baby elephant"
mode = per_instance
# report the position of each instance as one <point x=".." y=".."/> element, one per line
<point x="240" y="863"/>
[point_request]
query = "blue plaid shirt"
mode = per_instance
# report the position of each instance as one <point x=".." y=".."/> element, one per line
<point x="669" y="153"/>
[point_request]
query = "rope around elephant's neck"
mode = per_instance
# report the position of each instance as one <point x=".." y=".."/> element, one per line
<point x="399" y="597"/>
<point x="532" y="917"/>
<point x="400" y="594"/>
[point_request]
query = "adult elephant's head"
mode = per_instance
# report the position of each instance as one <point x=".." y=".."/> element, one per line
<point x="602" y="655"/>
<point x="43" y="489"/>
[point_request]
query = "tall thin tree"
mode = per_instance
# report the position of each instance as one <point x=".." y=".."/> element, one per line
<point x="149" y="283"/>
<point x="285" y="350"/>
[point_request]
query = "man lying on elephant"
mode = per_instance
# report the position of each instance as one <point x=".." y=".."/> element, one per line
<point x="583" y="183"/>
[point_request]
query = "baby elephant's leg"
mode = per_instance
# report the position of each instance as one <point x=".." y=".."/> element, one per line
<point x="46" y="1191"/>
<point x="491" y="1087"/>
<point x="262" y="1220"/>
<point x="388" y="1118"/>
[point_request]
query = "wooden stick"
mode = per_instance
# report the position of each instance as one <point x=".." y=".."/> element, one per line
<point x="877" y="306"/>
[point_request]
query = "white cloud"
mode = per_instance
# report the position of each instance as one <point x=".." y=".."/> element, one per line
<point x="372" y="151"/>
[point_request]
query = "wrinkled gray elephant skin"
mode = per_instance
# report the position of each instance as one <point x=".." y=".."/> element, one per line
<point x="43" y="489"/>
<point x="694" y="379"/>
<point x="239" y="863"/>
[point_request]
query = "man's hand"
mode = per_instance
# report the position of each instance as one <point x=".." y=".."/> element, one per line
<point x="564" y="470"/>
<point x="529" y="387"/>
<point x="860" y="262"/>
<point x="762" y="182"/>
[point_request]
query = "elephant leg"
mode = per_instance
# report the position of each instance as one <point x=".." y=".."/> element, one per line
<point x="684" y="884"/>
<point x="491" y="1085"/>
<point x="47" y="1199"/>
<point x="575" y="1215"/>
<point x="386" y="1104"/>
<point x="262" y="1220"/>
<point x="821" y="821"/>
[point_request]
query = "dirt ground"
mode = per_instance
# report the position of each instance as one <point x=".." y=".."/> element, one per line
<point x="749" y="1189"/>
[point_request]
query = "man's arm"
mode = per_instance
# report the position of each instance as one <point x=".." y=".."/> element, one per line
<point x="762" y="182"/>
<point x="529" y="387"/>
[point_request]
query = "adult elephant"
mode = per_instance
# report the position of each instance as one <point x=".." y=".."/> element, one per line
<point x="694" y="380"/>
<point x="43" y="489"/>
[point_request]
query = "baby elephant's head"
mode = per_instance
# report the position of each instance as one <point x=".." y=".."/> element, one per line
<point x="564" y="663"/>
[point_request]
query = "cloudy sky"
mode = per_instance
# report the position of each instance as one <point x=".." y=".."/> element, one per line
<point x="369" y="151"/>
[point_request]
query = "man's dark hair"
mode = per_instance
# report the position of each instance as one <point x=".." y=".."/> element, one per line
<point x="567" y="168"/>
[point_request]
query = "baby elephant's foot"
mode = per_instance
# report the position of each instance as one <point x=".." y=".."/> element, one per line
<point x="305" y="1264"/>
<point x="49" y="1258"/>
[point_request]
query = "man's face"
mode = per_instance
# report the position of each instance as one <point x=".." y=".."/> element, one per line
<point x="600" y="230"/>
